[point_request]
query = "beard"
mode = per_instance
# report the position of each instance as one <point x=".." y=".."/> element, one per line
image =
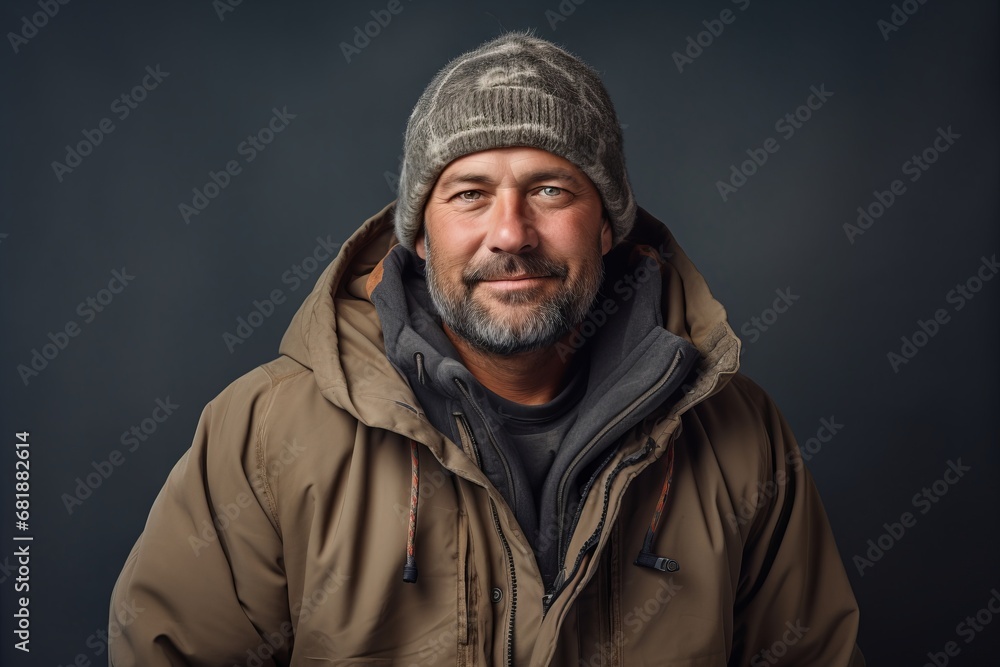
<point x="520" y="320"/>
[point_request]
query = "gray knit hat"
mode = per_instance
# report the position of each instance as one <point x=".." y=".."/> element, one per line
<point x="515" y="90"/>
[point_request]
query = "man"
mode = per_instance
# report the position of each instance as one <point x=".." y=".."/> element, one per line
<point x="506" y="428"/>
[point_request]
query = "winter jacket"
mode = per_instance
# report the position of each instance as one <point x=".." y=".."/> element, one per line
<point x="316" y="484"/>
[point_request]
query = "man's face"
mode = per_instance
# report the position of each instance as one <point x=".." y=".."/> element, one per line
<point x="514" y="245"/>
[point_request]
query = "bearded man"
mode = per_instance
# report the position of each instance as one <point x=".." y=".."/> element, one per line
<point x="507" y="427"/>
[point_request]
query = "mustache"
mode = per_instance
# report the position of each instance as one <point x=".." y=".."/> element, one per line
<point x="506" y="266"/>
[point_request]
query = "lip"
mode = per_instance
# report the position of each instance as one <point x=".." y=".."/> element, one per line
<point x="520" y="282"/>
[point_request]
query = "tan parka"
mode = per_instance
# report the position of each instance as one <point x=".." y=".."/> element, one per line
<point x="279" y="538"/>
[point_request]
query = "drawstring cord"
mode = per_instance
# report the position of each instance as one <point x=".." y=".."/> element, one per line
<point x="646" y="557"/>
<point x="410" y="568"/>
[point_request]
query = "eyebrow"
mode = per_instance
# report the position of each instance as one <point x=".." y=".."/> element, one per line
<point x="530" y="177"/>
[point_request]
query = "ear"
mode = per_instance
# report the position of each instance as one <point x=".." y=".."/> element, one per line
<point x="418" y="245"/>
<point x="607" y="236"/>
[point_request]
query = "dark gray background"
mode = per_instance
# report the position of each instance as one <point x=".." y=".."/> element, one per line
<point x="326" y="173"/>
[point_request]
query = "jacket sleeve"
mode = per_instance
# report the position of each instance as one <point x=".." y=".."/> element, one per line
<point x="794" y="603"/>
<point x="204" y="584"/>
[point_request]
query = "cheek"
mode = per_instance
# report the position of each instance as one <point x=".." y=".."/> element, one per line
<point x="447" y="260"/>
<point x="450" y="233"/>
<point x="450" y="248"/>
<point x="574" y="241"/>
<point x="578" y="224"/>
<point x="581" y="251"/>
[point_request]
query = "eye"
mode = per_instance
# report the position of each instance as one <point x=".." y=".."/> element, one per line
<point x="551" y="191"/>
<point x="469" y="195"/>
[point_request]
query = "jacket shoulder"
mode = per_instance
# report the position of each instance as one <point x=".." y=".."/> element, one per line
<point x="240" y="421"/>
<point x="282" y="368"/>
<point x="300" y="436"/>
<point x="753" y="395"/>
<point x="254" y="384"/>
<point x="746" y="432"/>
<point x="741" y="405"/>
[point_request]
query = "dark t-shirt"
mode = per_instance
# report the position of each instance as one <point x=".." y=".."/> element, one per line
<point x="537" y="431"/>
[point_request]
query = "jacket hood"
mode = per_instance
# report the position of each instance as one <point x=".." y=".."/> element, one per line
<point x="336" y="331"/>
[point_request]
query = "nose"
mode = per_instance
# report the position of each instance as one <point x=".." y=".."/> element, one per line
<point x="510" y="229"/>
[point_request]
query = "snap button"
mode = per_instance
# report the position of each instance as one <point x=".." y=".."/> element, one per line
<point x="496" y="595"/>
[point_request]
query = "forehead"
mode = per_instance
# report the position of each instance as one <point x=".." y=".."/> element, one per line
<point x="516" y="159"/>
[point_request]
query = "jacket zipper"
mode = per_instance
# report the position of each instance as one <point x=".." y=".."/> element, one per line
<point x="513" y="585"/>
<point x="506" y="546"/>
<point x="489" y="432"/>
<point x="592" y="540"/>
<point x="563" y="549"/>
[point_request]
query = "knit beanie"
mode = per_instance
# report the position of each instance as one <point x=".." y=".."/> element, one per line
<point x="515" y="90"/>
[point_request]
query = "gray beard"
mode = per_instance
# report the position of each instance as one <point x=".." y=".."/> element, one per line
<point x="553" y="317"/>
